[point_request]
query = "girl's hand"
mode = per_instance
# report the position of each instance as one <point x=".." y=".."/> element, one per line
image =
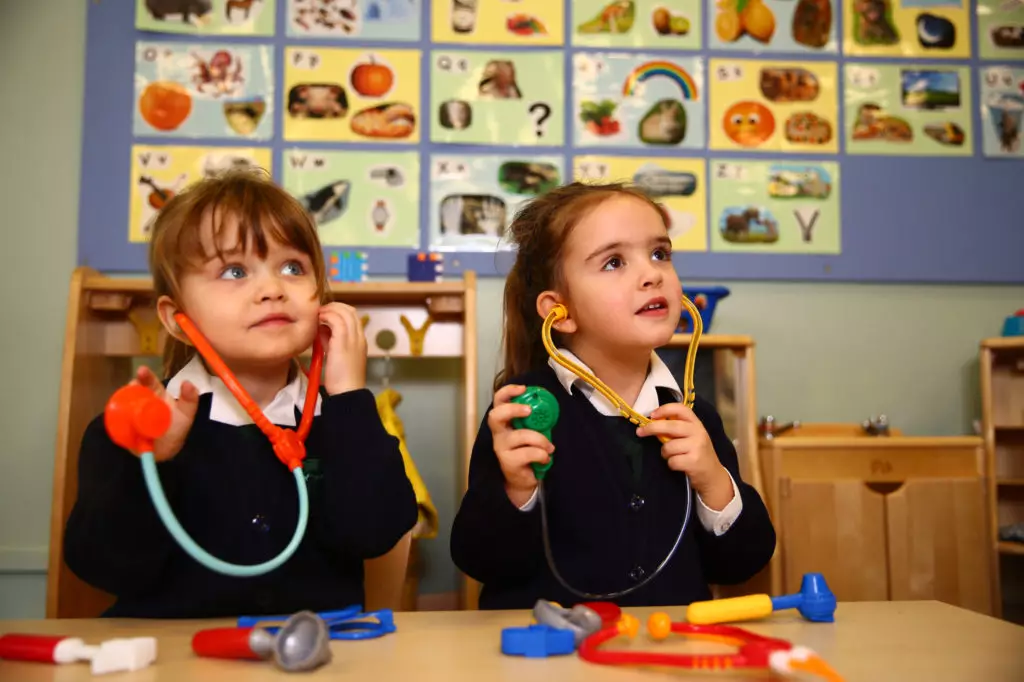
<point x="516" y="449"/>
<point x="690" y="450"/>
<point x="183" y="412"/>
<point x="342" y="337"/>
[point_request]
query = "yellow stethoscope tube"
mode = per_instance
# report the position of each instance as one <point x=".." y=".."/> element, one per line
<point x="559" y="312"/>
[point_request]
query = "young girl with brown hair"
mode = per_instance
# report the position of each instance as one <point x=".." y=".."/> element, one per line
<point x="241" y="258"/>
<point x="615" y="496"/>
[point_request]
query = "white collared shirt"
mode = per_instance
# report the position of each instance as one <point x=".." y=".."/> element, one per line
<point x="226" y="409"/>
<point x="659" y="376"/>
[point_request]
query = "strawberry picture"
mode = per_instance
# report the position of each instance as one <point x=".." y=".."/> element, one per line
<point x="598" y="117"/>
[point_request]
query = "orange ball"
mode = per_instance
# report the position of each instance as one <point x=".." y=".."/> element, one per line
<point x="659" y="625"/>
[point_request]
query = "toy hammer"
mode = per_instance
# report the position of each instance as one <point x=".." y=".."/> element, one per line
<point x="815" y="602"/>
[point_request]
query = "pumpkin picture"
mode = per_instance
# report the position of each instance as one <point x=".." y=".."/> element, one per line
<point x="165" y="105"/>
<point x="372" y="79"/>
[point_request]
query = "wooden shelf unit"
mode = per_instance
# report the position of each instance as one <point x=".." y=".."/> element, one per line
<point x="111" y="321"/>
<point x="1001" y="365"/>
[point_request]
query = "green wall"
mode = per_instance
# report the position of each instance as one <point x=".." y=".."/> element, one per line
<point x="823" y="351"/>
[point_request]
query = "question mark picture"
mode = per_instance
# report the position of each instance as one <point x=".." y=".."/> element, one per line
<point x="540" y="112"/>
<point x="493" y="98"/>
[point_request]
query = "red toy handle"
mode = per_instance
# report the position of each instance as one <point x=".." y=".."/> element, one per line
<point x="35" y="648"/>
<point x="233" y="643"/>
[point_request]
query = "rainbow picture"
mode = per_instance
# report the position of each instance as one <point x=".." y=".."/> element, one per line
<point x="661" y="68"/>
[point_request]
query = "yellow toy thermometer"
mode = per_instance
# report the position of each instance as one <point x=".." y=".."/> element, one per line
<point x="815" y="602"/>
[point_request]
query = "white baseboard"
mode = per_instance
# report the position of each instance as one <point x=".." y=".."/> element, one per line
<point x="24" y="559"/>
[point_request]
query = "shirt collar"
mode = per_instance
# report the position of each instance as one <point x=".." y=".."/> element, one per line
<point x="659" y="376"/>
<point x="226" y="409"/>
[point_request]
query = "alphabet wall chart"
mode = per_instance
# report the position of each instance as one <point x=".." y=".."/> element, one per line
<point x="856" y="140"/>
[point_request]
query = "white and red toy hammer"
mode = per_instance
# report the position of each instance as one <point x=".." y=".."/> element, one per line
<point x="114" y="655"/>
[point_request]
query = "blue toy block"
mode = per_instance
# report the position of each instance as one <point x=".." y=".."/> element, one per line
<point x="425" y="267"/>
<point x="705" y="298"/>
<point x="346" y="266"/>
<point x="537" y="641"/>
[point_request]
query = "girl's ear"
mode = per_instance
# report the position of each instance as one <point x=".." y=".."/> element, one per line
<point x="546" y="301"/>
<point x="166" y="309"/>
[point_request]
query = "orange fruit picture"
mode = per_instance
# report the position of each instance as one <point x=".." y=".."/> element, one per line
<point x="165" y="105"/>
<point x="371" y="79"/>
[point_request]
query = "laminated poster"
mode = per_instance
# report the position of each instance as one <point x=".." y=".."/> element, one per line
<point x="678" y="184"/>
<point x="908" y="110"/>
<point x="774" y="206"/>
<point x="474" y="198"/>
<point x="658" y="24"/>
<point x="207" y="17"/>
<point x="351" y="95"/>
<point x="498" y="22"/>
<point x="499" y="98"/>
<point x="773" y="106"/>
<point x="159" y="172"/>
<point x="1000" y="29"/>
<point x="1002" y="110"/>
<point x="354" y="19"/>
<point x="638" y="100"/>
<point x="765" y="26"/>
<point x="933" y="29"/>
<point x="204" y="90"/>
<point x="357" y="198"/>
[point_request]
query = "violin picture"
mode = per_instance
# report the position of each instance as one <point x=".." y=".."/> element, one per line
<point x="158" y="196"/>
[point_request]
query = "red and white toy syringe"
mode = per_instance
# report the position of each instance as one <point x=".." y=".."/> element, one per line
<point x="114" y="655"/>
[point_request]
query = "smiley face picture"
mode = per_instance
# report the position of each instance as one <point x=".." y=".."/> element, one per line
<point x="748" y="124"/>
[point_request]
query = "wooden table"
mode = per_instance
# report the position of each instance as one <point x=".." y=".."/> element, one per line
<point x="869" y="642"/>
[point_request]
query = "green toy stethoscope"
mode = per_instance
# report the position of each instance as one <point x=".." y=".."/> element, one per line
<point x="135" y="417"/>
<point x="544" y="416"/>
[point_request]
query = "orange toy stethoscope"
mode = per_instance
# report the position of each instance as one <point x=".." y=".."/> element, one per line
<point x="135" y="417"/>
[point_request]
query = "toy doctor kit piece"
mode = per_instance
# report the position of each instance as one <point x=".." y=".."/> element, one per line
<point x="815" y="602"/>
<point x="753" y="651"/>
<point x="556" y="630"/>
<point x="114" y="655"/>
<point x="345" y="624"/>
<point x="544" y="415"/>
<point x="135" y="418"/>
<point x="302" y="643"/>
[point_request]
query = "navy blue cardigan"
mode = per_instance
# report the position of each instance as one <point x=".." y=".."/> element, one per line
<point x="238" y="501"/>
<point x="607" y="529"/>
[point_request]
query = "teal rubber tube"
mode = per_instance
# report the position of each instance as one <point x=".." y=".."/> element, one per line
<point x="163" y="508"/>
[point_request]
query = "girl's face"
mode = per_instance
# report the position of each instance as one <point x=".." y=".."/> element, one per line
<point x="622" y="291"/>
<point x="254" y="311"/>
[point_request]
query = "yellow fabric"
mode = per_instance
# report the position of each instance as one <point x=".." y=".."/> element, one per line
<point x="426" y="524"/>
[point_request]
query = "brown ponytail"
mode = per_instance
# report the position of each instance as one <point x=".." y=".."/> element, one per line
<point x="540" y="231"/>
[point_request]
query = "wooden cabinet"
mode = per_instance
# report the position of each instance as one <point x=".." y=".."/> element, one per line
<point x="1002" y="414"/>
<point x="883" y="518"/>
